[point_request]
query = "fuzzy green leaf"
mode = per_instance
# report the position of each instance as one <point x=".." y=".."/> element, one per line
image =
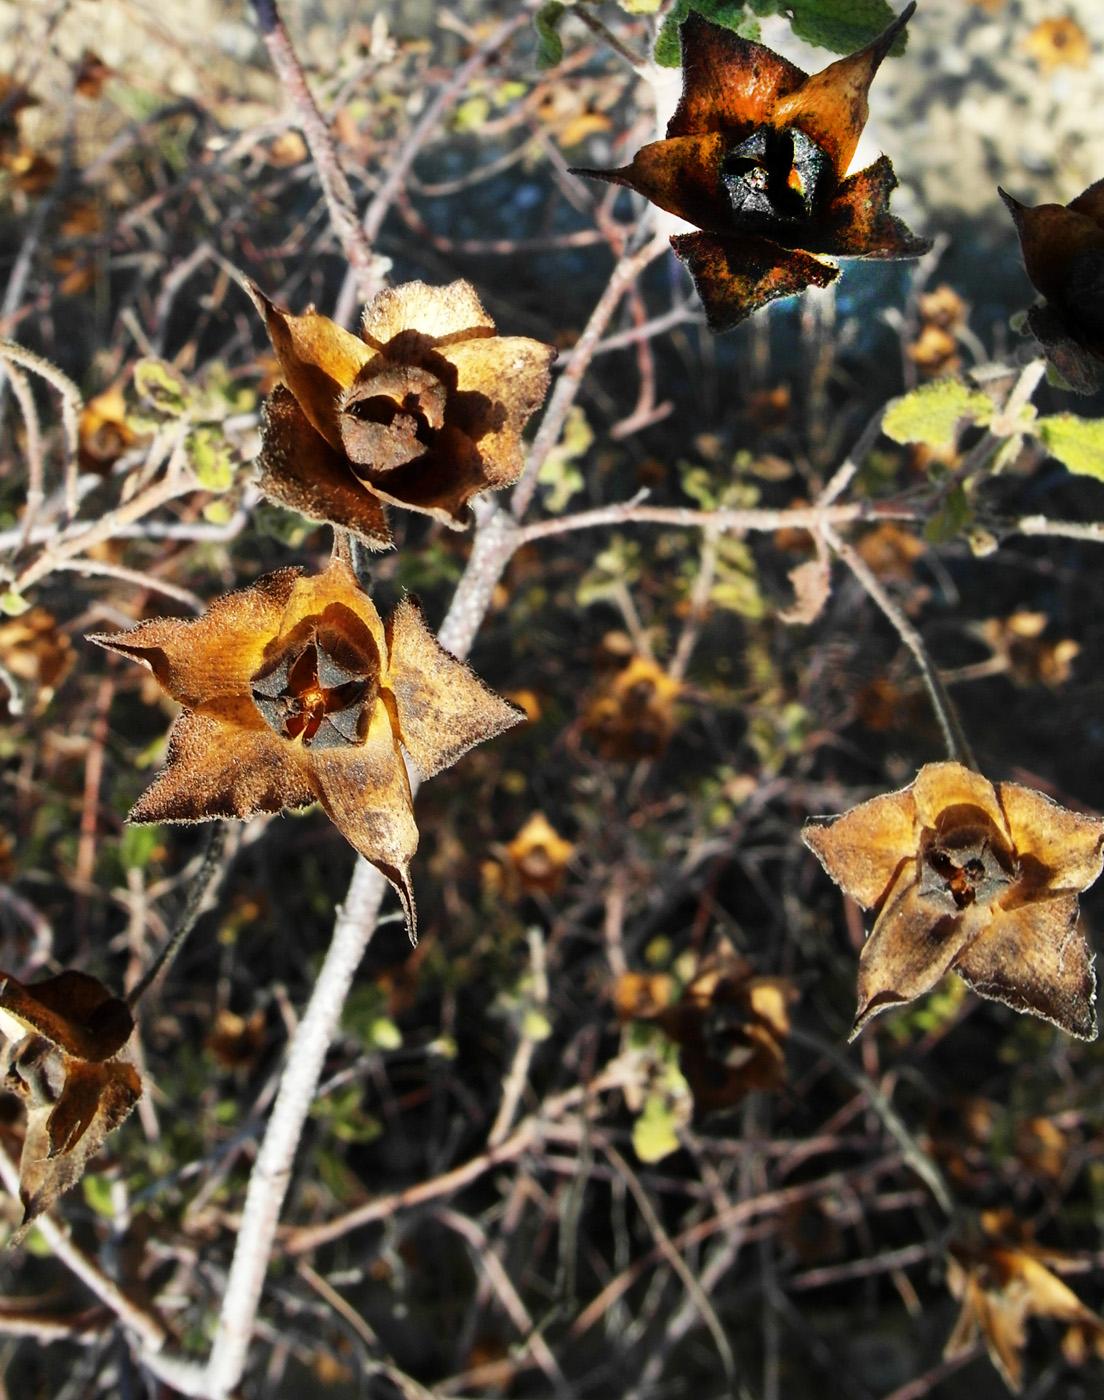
<point x="162" y="388"/>
<point x="1078" y="443"/>
<point x="729" y="14"/>
<point x="653" y="1135"/>
<point x="932" y="413"/>
<point x="549" y="44"/>
<point x="843" y="25"/>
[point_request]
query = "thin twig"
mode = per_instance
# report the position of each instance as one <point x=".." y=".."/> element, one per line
<point x="958" y="746"/>
<point x="134" y="1318"/>
<point x="207" y="877"/>
<point x="567" y="386"/>
<point x="399" y="165"/>
<point x="915" y="1156"/>
<point x="725" y="520"/>
<point x="674" y="1258"/>
<point x="369" y="269"/>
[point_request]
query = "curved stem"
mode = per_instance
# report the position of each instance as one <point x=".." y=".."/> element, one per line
<point x="954" y="736"/>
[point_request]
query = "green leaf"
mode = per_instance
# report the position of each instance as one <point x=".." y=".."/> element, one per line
<point x="276" y="523"/>
<point x="162" y="389"/>
<point x="212" y="459"/>
<point x="953" y="518"/>
<point x="558" y="470"/>
<point x="1078" y="443"/>
<point x="729" y="14"/>
<point x="933" y="412"/>
<point x="842" y="25"/>
<point x="653" y="1135"/>
<point x="97" y="1194"/>
<point x="535" y="1025"/>
<point x="549" y="44"/>
<point x="383" y="1034"/>
<point x="12" y="604"/>
<point x="138" y="845"/>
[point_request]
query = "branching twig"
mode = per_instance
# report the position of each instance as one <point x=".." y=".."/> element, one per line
<point x="368" y="269"/>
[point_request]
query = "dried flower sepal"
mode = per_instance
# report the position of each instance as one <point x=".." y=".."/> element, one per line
<point x="294" y="691"/>
<point x="1000" y="1283"/>
<point x="65" y="1035"/>
<point x="1063" y="253"/>
<point x="973" y="878"/>
<point x="756" y="157"/>
<point x="423" y="410"/>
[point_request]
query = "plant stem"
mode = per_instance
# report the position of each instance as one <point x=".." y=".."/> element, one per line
<point x="207" y="877"/>
<point x="954" y="736"/>
<point x="355" y="244"/>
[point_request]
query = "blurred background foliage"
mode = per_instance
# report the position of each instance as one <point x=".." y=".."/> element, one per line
<point x="662" y="930"/>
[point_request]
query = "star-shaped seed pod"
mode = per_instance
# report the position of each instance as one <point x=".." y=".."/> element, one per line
<point x="1063" y="253"/>
<point x="62" y="1058"/>
<point x="973" y="878"/>
<point x="424" y="409"/>
<point x="632" y="713"/>
<point x="756" y="157"/>
<point x="294" y="691"/>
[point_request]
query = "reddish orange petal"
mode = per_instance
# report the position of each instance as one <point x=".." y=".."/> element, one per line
<point x="831" y="106"/>
<point x="856" y="223"/>
<point x="336" y="585"/>
<point x="432" y="314"/>
<point x="1090" y="202"/>
<point x="736" y="276"/>
<point x="440" y="483"/>
<point x="1063" y="345"/>
<point x="916" y="939"/>
<point x="366" y="794"/>
<point x="300" y="470"/>
<point x="729" y="83"/>
<point x="1051" y="236"/>
<point x="1069" y="846"/>
<point x="73" y="1010"/>
<point x="681" y="175"/>
<point x="317" y="359"/>
<point x="501" y="381"/>
<point x="864" y="849"/>
<point x="940" y="786"/>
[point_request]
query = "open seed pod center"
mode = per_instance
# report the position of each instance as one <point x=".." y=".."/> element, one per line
<point x="773" y="176"/>
<point x="389" y="418"/>
<point x="966" y="857"/>
<point x="322" y="684"/>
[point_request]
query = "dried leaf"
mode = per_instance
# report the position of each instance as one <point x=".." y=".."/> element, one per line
<point x="65" y="1035"/>
<point x="294" y="692"/>
<point x="1000" y="1288"/>
<point x="424" y="410"/>
<point x="812" y="585"/>
<point x="970" y="878"/>
<point x="756" y="157"/>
